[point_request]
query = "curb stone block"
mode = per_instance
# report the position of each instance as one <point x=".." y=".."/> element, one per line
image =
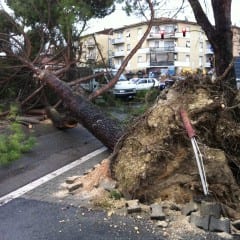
<point x="189" y="208"/>
<point x="211" y="209"/>
<point x="157" y="212"/>
<point x="133" y="206"/>
<point x="72" y="179"/>
<point x="200" y="221"/>
<point x="74" y="186"/>
<point x="219" y="225"/>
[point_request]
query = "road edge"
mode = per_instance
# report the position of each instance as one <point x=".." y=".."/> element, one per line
<point x="36" y="183"/>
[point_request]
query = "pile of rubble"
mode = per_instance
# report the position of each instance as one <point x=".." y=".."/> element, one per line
<point x="174" y="220"/>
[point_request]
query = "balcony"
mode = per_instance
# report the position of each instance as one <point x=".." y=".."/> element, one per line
<point x="161" y="63"/>
<point x="117" y="41"/>
<point x="158" y="36"/>
<point x="209" y="51"/>
<point x="207" y="65"/>
<point x="119" y="54"/>
<point x="162" y="49"/>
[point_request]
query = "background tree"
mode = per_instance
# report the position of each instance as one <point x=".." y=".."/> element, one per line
<point x="219" y="34"/>
<point x="37" y="26"/>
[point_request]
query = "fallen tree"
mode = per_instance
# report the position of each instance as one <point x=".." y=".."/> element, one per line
<point x="153" y="159"/>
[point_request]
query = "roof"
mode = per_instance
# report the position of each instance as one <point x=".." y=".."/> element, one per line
<point x="156" y="21"/>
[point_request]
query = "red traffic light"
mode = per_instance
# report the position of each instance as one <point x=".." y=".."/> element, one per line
<point x="162" y="34"/>
<point x="184" y="32"/>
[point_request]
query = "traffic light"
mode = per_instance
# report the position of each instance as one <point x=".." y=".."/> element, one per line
<point x="184" y="32"/>
<point x="162" y="34"/>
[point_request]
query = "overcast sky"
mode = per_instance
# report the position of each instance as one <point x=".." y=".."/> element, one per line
<point x="119" y="17"/>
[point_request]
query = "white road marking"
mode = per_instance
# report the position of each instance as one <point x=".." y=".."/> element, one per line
<point x="30" y="186"/>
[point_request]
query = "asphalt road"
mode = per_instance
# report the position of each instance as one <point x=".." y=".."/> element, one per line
<point x="23" y="219"/>
<point x="54" y="149"/>
<point x="41" y="215"/>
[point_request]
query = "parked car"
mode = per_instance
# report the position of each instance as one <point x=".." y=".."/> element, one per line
<point x="147" y="83"/>
<point x="124" y="88"/>
<point x="166" y="84"/>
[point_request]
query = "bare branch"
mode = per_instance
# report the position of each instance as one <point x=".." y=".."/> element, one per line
<point x="126" y="60"/>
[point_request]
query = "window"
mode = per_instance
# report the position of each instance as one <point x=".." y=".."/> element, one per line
<point x="175" y="56"/>
<point x="200" y="61"/>
<point x="119" y="35"/>
<point x="187" y="58"/>
<point x="156" y="44"/>
<point x="156" y="29"/>
<point x="169" y="29"/>
<point x="188" y="44"/>
<point x="128" y="47"/>
<point x="142" y="81"/>
<point x="201" y="46"/>
<point x="169" y="45"/>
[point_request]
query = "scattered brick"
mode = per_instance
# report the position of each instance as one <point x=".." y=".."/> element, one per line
<point x="211" y="209"/>
<point x="200" y="221"/>
<point x="157" y="212"/>
<point x="219" y="225"/>
<point x="71" y="180"/>
<point x="189" y="208"/>
<point x="133" y="206"/>
<point x="74" y="186"/>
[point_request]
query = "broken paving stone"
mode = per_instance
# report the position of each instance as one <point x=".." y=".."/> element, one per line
<point x="74" y="186"/>
<point x="189" y="208"/>
<point x="157" y="212"/>
<point x="133" y="206"/>
<point x="162" y="224"/>
<point x="219" y="225"/>
<point x="211" y="209"/>
<point x="71" y="180"/>
<point x="199" y="221"/>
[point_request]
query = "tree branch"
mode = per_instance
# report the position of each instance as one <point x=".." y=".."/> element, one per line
<point x="126" y="60"/>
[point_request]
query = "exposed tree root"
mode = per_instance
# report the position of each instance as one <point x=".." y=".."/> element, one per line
<point x="157" y="162"/>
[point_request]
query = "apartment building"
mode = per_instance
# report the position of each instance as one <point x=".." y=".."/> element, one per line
<point x="236" y="41"/>
<point x="171" y="47"/>
<point x="96" y="48"/>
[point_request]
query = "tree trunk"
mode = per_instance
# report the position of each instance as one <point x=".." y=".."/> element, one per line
<point x="219" y="35"/>
<point x="107" y="130"/>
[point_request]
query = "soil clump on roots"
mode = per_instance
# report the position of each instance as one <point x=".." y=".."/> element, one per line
<point x="156" y="161"/>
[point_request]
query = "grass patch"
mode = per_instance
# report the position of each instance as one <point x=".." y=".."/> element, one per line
<point x="14" y="142"/>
